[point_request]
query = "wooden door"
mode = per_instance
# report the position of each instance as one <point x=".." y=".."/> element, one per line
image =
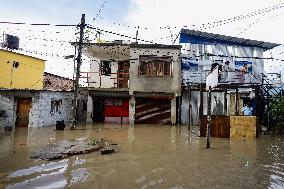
<point x="23" y="110"/>
<point x="123" y="74"/>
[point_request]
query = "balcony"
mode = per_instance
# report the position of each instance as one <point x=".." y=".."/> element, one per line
<point x="110" y="81"/>
<point x="230" y="77"/>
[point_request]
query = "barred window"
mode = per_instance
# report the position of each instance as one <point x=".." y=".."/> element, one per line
<point x="157" y="66"/>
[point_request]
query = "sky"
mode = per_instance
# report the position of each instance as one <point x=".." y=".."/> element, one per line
<point x="158" y="21"/>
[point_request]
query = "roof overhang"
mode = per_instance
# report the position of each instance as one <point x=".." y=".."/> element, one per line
<point x="118" y="52"/>
<point x="198" y="37"/>
<point x="109" y="52"/>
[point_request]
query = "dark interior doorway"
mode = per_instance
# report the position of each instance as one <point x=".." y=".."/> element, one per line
<point x="98" y="111"/>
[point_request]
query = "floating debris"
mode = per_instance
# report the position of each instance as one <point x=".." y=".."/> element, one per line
<point x="66" y="148"/>
<point x="107" y="150"/>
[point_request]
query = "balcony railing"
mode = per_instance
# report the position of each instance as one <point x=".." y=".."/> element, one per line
<point x="112" y="80"/>
<point x="228" y="77"/>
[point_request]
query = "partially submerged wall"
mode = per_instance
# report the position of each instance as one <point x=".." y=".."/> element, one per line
<point x="217" y="105"/>
<point x="47" y="107"/>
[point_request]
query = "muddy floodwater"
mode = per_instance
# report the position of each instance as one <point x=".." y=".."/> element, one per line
<point x="150" y="156"/>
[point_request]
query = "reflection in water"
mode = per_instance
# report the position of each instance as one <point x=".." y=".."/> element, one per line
<point x="54" y="179"/>
<point x="150" y="157"/>
<point x="131" y="135"/>
<point x="41" y="168"/>
<point x="79" y="175"/>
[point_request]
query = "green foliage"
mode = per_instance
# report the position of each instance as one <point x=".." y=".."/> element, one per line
<point x="87" y="35"/>
<point x="93" y="141"/>
<point x="277" y="109"/>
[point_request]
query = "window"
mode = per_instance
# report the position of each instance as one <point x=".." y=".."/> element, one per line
<point x="157" y="66"/>
<point x="16" y="64"/>
<point x="105" y="68"/>
<point x="56" y="106"/>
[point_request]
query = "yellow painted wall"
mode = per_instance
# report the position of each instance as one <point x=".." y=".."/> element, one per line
<point x="28" y="75"/>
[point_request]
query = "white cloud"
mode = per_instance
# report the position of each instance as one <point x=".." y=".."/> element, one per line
<point x="155" y="13"/>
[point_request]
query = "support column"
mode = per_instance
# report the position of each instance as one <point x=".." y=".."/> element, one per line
<point x="225" y="103"/>
<point x="257" y="102"/>
<point x="132" y="110"/>
<point x="208" y="129"/>
<point x="189" y="109"/>
<point x="89" y="118"/>
<point x="178" y="109"/>
<point x="173" y="111"/>
<point x="201" y="103"/>
<point x="237" y="102"/>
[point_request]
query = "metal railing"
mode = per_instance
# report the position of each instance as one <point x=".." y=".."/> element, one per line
<point x="98" y="80"/>
<point x="226" y="77"/>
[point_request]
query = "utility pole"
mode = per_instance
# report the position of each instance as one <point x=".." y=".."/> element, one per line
<point x="136" y="36"/>
<point x="79" y="62"/>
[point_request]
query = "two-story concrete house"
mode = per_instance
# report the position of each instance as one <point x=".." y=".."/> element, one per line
<point x="133" y="83"/>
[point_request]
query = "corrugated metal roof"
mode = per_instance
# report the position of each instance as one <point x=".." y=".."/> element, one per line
<point x="198" y="37"/>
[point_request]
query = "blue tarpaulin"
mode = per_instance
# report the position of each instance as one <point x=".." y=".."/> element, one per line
<point x="188" y="64"/>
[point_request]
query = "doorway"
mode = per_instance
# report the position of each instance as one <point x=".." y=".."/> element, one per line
<point x="152" y="111"/>
<point x="23" y="110"/>
<point x="98" y="112"/>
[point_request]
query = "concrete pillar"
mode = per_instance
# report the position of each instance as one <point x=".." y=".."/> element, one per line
<point x="225" y="103"/>
<point x="89" y="110"/>
<point x="232" y="104"/>
<point x="131" y="110"/>
<point x="173" y="111"/>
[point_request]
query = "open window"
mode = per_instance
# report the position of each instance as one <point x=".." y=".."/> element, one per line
<point x="55" y="106"/>
<point x="105" y="68"/>
<point x="156" y="66"/>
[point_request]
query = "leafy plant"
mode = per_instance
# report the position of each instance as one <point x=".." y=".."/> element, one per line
<point x="93" y="141"/>
<point x="277" y="109"/>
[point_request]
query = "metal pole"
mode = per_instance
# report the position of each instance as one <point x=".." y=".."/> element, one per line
<point x="79" y="62"/>
<point x="201" y="103"/>
<point x="208" y="119"/>
<point x="136" y="36"/>
<point x="189" y="109"/>
<point x="237" y="102"/>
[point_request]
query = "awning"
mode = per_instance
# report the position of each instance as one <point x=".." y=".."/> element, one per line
<point x="198" y="37"/>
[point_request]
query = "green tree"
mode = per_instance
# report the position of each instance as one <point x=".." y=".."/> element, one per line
<point x="277" y="110"/>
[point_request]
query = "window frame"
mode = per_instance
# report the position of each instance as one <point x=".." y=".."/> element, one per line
<point x="155" y="57"/>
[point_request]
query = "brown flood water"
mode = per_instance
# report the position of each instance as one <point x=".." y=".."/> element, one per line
<point x="150" y="157"/>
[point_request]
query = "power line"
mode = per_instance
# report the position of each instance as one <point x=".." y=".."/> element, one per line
<point x="241" y="17"/>
<point x="100" y="9"/>
<point x="38" y="24"/>
<point x="119" y="34"/>
<point x="258" y="21"/>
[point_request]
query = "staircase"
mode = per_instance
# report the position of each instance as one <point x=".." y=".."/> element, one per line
<point x="268" y="93"/>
